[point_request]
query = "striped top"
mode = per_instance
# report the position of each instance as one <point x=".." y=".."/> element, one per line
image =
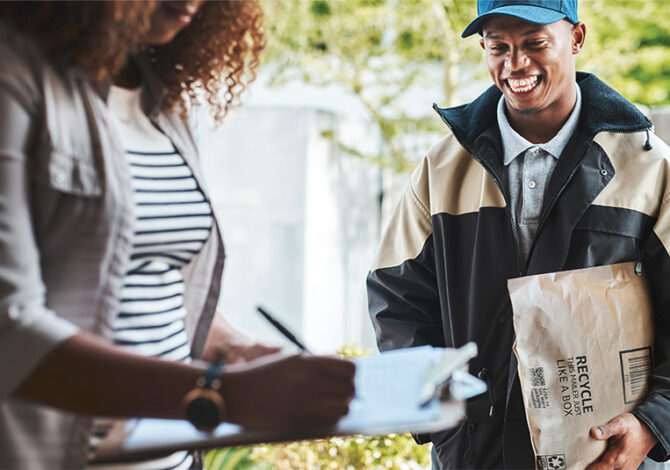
<point x="173" y="221"/>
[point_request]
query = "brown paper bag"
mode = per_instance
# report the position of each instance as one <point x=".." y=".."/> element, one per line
<point x="584" y="346"/>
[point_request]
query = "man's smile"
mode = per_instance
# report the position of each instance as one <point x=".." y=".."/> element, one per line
<point x="523" y="85"/>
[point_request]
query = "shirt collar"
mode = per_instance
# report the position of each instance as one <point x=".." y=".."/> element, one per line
<point x="514" y="144"/>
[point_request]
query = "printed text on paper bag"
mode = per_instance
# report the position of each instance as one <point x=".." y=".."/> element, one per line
<point x="575" y="386"/>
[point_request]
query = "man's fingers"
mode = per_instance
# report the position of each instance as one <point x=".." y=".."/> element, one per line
<point x="598" y="466"/>
<point x="605" y="431"/>
<point x="598" y="432"/>
<point x="628" y="443"/>
<point x="613" y="458"/>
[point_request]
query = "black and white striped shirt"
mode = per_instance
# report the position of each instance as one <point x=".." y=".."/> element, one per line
<point x="172" y="222"/>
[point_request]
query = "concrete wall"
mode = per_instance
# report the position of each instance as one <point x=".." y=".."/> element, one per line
<point x="661" y="119"/>
<point x="300" y="221"/>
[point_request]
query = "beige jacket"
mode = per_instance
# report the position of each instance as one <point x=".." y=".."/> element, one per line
<point x="66" y="225"/>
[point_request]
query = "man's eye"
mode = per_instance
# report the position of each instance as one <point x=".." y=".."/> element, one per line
<point x="497" y="48"/>
<point x="537" y="43"/>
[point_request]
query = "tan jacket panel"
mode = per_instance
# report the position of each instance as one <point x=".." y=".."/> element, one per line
<point x="456" y="183"/>
<point x="448" y="180"/>
<point x="635" y="168"/>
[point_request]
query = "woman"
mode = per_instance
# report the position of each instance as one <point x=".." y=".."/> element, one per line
<point x="71" y="252"/>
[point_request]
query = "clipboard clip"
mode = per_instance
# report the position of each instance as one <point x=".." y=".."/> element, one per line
<point x="448" y="378"/>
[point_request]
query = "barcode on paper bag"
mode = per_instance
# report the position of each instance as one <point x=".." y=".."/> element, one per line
<point x="635" y="370"/>
<point x="536" y="376"/>
<point x="538" y="397"/>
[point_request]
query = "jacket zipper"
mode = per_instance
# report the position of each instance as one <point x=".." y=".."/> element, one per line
<point x="484" y="375"/>
<point x="565" y="185"/>
<point x="554" y="200"/>
<point x="638" y="263"/>
<point x="508" y="210"/>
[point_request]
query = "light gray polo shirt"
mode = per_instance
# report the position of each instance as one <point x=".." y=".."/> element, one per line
<point x="529" y="167"/>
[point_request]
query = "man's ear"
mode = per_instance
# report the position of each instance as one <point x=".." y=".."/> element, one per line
<point x="481" y="43"/>
<point x="578" y="37"/>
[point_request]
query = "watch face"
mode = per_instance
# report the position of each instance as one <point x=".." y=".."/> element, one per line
<point x="203" y="413"/>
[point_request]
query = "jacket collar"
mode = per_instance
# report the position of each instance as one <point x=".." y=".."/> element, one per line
<point x="603" y="109"/>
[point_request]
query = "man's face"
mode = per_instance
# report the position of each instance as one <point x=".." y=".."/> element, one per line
<point x="533" y="65"/>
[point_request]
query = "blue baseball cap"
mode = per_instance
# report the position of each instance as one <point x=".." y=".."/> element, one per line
<point x="533" y="11"/>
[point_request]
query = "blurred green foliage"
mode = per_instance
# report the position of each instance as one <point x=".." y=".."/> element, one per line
<point x="378" y="50"/>
<point x="395" y="452"/>
<point x="381" y="49"/>
<point x="234" y="458"/>
<point x="628" y="46"/>
<point x="398" y="452"/>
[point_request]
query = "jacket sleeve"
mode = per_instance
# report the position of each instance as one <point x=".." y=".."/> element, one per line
<point x="402" y="287"/>
<point x="655" y="410"/>
<point x="28" y="330"/>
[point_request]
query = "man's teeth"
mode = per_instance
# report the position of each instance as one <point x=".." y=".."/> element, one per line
<point x="522" y="85"/>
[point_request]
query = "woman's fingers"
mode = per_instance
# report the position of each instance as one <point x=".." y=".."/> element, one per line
<point x="294" y="390"/>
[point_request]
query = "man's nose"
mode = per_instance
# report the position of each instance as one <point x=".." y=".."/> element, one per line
<point x="516" y="60"/>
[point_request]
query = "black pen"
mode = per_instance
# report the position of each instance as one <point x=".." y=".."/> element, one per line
<point x="283" y="330"/>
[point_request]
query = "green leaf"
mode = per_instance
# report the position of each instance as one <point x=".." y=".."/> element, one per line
<point x="233" y="458"/>
<point x="320" y="8"/>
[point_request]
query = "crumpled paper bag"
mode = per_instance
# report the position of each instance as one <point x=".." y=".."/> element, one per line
<point x="584" y="346"/>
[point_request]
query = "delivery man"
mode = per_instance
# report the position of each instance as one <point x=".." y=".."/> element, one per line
<point x="547" y="170"/>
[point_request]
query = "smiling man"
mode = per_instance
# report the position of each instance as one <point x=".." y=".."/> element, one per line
<point x="547" y="170"/>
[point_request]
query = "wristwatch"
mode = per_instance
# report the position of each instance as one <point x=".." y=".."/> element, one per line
<point x="203" y="406"/>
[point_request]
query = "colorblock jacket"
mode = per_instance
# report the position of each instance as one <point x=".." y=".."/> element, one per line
<point x="441" y="273"/>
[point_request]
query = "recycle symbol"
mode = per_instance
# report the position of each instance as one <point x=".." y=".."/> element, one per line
<point x="556" y="462"/>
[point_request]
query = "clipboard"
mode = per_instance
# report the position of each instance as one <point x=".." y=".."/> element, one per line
<point x="390" y="397"/>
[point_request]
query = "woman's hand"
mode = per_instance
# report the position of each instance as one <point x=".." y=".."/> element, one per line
<point x="288" y="391"/>
<point x="239" y="353"/>
<point x="235" y="345"/>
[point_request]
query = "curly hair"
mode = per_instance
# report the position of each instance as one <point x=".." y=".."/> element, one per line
<point x="213" y="59"/>
<point x="97" y="36"/>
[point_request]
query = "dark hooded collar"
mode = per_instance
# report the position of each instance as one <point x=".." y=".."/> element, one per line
<point x="603" y="109"/>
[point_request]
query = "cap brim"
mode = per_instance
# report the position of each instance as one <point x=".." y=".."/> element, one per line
<point x="530" y="13"/>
